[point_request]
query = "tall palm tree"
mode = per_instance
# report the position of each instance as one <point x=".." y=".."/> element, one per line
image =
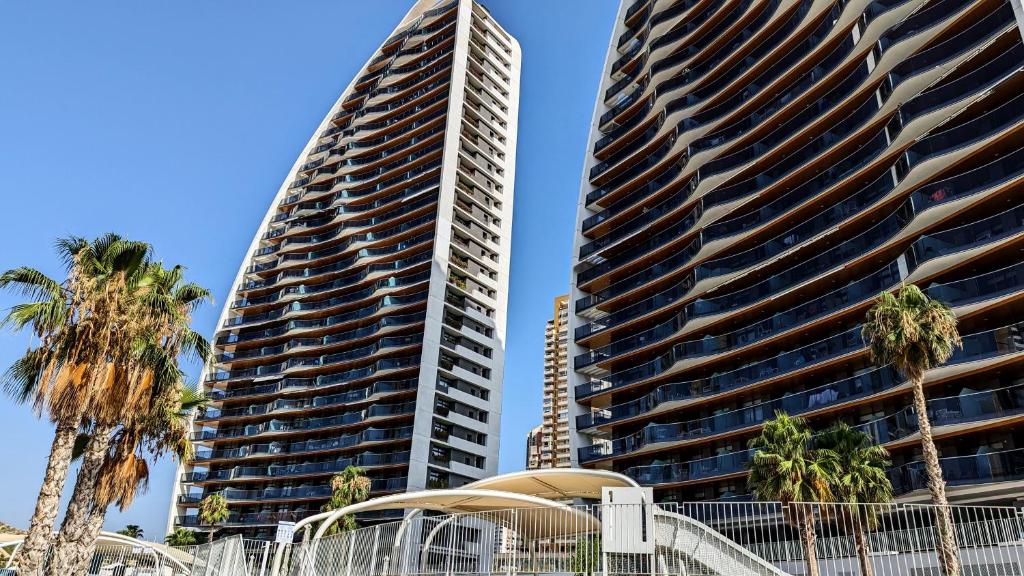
<point x="914" y="333"/>
<point x="786" y="468"/>
<point x="79" y="324"/>
<point x="180" y="537"/>
<point x="125" y="472"/>
<point x="163" y="334"/>
<point x="861" y="481"/>
<point x="132" y="531"/>
<point x="213" y="510"/>
<point x="350" y="486"/>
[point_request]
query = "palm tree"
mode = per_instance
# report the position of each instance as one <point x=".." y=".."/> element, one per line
<point x="860" y="482"/>
<point x="181" y="537"/>
<point x="125" y="471"/>
<point x="914" y="333"/>
<point x="213" y="510"/>
<point x="786" y="468"/>
<point x="162" y="334"/>
<point x="350" y="486"/>
<point x="132" y="531"/>
<point x="78" y="323"/>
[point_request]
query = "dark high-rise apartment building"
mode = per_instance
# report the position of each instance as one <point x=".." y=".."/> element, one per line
<point x="367" y="321"/>
<point x="758" y="172"/>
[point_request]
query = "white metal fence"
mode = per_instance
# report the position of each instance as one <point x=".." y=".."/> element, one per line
<point x="258" y="555"/>
<point x="699" y="539"/>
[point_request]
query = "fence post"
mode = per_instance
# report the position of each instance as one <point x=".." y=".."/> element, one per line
<point x="266" y="556"/>
<point x="373" y="554"/>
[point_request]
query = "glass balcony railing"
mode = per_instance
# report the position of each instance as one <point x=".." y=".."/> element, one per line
<point x="318" y="361"/>
<point x="317" y="342"/>
<point x="370" y="435"/>
<point x="334" y="320"/>
<point x="999" y="342"/>
<point x="391" y="282"/>
<point x="364" y="460"/>
<point x="302" y="424"/>
<point x="317" y="382"/>
<point x="340" y="283"/>
<point x="981" y="468"/>
<point x="344" y="246"/>
<point x="929" y="17"/>
<point x="286" y="405"/>
<point x="989" y="74"/>
<point x="931" y="246"/>
<point x="397" y="265"/>
<point x="935" y="144"/>
<point x="977" y="407"/>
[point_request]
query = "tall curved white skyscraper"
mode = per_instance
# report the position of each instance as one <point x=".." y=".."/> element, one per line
<point x="368" y="318"/>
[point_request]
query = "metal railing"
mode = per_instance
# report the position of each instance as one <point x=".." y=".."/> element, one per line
<point x="687" y="539"/>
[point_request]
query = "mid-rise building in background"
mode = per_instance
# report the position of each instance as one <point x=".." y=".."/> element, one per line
<point x="554" y="446"/>
<point x="367" y="321"/>
<point x="758" y="172"/>
<point x="533" y="442"/>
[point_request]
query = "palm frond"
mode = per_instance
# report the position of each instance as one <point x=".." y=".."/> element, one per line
<point x="32" y="283"/>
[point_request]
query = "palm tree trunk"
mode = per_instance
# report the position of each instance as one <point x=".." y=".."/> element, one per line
<point x="77" y="538"/>
<point x="807" y="538"/>
<point x="78" y="561"/>
<point x="947" y="550"/>
<point x="860" y="537"/>
<point x="32" y="553"/>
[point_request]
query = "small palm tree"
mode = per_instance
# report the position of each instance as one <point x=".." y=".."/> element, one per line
<point x="132" y="531"/>
<point x="180" y="537"/>
<point x="350" y="486"/>
<point x="860" y="482"/>
<point x="786" y="468"/>
<point x="213" y="510"/>
<point x="914" y="333"/>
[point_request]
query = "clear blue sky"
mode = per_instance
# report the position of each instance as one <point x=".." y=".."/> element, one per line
<point x="175" y="123"/>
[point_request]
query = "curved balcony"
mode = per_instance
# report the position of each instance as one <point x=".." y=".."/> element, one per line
<point x="988" y="468"/>
<point x="993" y="122"/>
<point x="343" y="228"/>
<point x="292" y="258"/>
<point x="383" y="388"/>
<point x="335" y="161"/>
<point x="328" y="219"/>
<point x="909" y="28"/>
<point x="317" y="361"/>
<point x="374" y="253"/>
<point x="692" y="96"/>
<point x="1004" y="225"/>
<point x="303" y="384"/>
<point x="397" y="266"/>
<point x="329" y="340"/>
<point x="991" y="175"/>
<point x="693" y="72"/>
<point x="979" y="407"/>
<point x="687" y="80"/>
<point x="305" y="424"/>
<point x="386" y="302"/>
<point x="273" y="449"/>
<point x="364" y="460"/>
<point x="984" y="287"/>
<point x="393" y="282"/>
<point x="916" y="107"/>
<point x="999" y="342"/>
